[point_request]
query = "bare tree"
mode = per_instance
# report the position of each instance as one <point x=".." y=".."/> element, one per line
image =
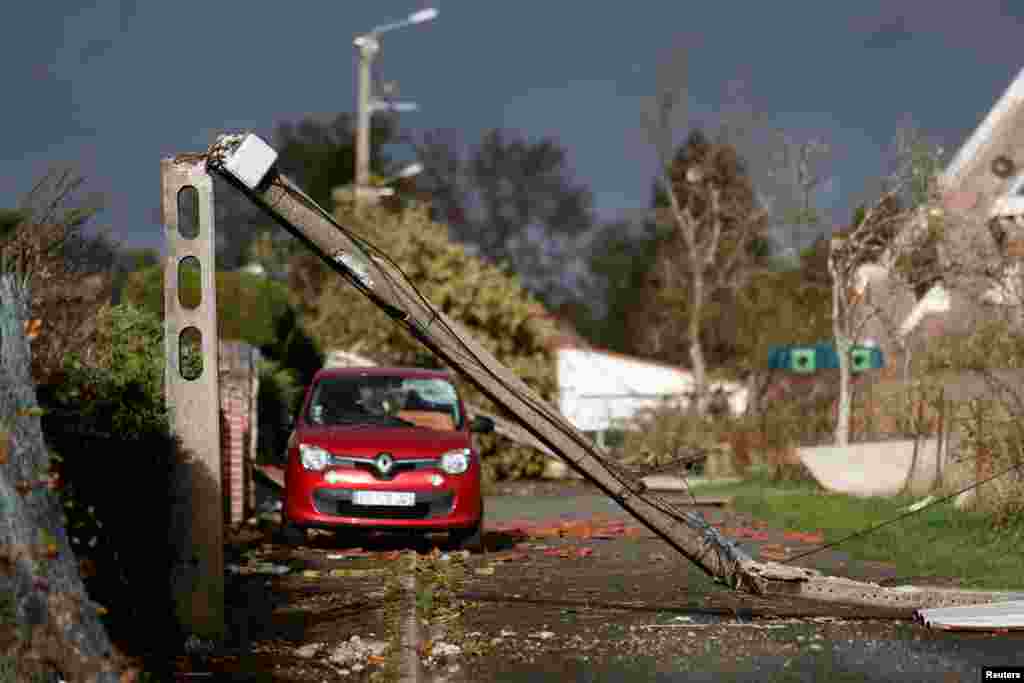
<point x="851" y="303"/>
<point x="889" y="241"/>
<point x="716" y="229"/>
<point x="789" y="169"/>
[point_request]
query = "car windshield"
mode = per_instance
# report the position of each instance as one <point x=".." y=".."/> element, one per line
<point x="385" y="400"/>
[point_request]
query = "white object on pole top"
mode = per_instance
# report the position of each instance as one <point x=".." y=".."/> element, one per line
<point x="409" y="171"/>
<point x="250" y="162"/>
<point x="423" y="15"/>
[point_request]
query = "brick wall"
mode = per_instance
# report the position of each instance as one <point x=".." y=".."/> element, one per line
<point x="239" y="385"/>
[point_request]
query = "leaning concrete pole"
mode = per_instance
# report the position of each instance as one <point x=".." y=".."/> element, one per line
<point x="193" y="401"/>
<point x="248" y="163"/>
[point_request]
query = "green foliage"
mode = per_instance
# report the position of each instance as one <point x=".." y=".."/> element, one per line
<point x="659" y="319"/>
<point x="119" y="389"/>
<point x="515" y="200"/>
<point x="16" y="671"/>
<point x="10" y="219"/>
<point x="128" y="262"/>
<point x="279" y="396"/>
<point x="938" y="542"/>
<point x="990" y="426"/>
<point x="772" y="309"/>
<point x="669" y="433"/>
<point x="249" y="308"/>
<point x="620" y="263"/>
<point x="490" y="304"/>
<point x="107" y="425"/>
<point x="993" y="344"/>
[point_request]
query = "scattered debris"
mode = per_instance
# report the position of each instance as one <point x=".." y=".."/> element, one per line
<point x="259" y="568"/>
<point x="308" y="651"/>
<point x="356" y="652"/>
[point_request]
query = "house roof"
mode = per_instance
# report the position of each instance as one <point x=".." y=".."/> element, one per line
<point x="968" y="182"/>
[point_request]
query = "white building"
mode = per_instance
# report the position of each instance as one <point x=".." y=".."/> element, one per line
<point x="600" y="390"/>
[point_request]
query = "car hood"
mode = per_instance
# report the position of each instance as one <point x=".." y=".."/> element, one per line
<point x="400" y="441"/>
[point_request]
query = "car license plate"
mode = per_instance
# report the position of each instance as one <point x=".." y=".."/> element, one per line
<point x="395" y="498"/>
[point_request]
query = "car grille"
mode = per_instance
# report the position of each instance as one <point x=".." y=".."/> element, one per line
<point x="399" y="466"/>
<point x="338" y="503"/>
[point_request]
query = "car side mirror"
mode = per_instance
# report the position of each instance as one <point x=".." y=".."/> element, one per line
<point x="481" y="425"/>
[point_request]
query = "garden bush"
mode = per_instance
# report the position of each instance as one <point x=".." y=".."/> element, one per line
<point x="107" y="429"/>
<point x="488" y="301"/>
<point x="250" y="308"/>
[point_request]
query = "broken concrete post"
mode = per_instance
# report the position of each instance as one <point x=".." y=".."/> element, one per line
<point x="193" y="401"/>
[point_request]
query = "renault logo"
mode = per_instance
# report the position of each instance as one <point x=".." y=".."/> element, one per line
<point x="385" y="462"/>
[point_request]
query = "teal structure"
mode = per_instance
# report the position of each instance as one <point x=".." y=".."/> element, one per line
<point x="822" y="356"/>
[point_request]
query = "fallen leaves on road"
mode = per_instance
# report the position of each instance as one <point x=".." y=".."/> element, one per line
<point x="569" y="552"/>
<point x="508" y="556"/>
<point x="774" y="552"/>
<point x="815" y="537"/>
<point x="578" y="528"/>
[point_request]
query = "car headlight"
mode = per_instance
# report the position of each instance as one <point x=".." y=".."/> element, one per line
<point x="313" y="457"/>
<point x="455" y="462"/>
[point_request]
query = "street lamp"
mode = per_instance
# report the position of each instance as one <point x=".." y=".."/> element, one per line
<point x="369" y="46"/>
<point x="384" y="105"/>
<point x="409" y="171"/>
<point x="349" y="193"/>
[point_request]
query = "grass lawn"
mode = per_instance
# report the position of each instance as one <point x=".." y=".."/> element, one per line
<point x="940" y="541"/>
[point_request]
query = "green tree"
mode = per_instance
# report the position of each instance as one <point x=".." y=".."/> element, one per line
<point x="488" y="302"/>
<point x="712" y="240"/>
<point x="619" y="261"/>
<point x="514" y="201"/>
<point x="249" y="308"/>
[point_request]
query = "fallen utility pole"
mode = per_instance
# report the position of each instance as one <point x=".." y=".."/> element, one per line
<point x="248" y="163"/>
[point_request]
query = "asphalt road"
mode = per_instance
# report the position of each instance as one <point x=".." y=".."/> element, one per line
<point x="625" y="607"/>
<point x="643" y="643"/>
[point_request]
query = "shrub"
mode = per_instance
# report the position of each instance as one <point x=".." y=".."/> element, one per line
<point x="487" y="301"/>
<point x="279" y="396"/>
<point x="250" y="308"/>
<point x="107" y="424"/>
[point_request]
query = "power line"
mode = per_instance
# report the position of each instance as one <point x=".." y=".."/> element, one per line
<point x="872" y="529"/>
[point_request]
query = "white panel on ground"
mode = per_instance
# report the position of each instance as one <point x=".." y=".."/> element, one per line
<point x="873" y="469"/>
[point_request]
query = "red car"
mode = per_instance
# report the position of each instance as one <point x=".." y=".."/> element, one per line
<point x="391" y="449"/>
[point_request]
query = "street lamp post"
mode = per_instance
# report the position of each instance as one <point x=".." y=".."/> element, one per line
<point x="369" y="46"/>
